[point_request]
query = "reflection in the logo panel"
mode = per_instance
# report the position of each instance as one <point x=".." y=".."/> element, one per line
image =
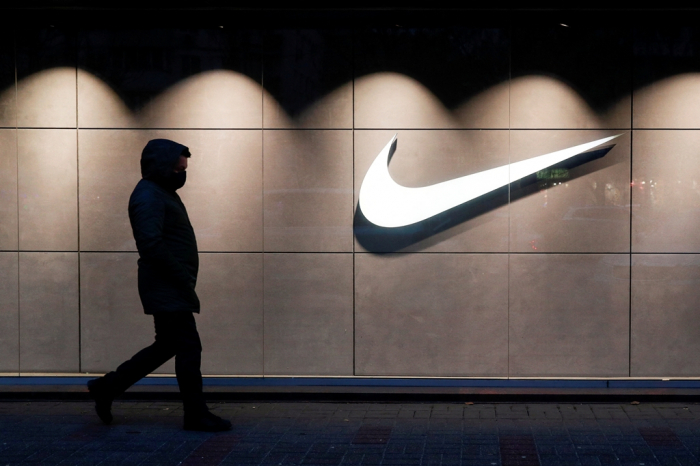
<point x="677" y="268"/>
<point x="613" y="267"/>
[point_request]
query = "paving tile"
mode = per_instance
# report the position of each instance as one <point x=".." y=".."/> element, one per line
<point x="148" y="433"/>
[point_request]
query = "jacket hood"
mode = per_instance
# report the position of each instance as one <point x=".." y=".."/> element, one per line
<point x="159" y="158"/>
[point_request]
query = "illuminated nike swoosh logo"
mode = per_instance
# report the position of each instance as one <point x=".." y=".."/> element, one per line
<point x="388" y="204"/>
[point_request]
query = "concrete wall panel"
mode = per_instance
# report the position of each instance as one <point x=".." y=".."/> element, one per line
<point x="47" y="179"/>
<point x="579" y="209"/>
<point x="434" y="315"/>
<point x="113" y="326"/>
<point x="308" y="191"/>
<point x="224" y="188"/>
<point x="665" y="191"/>
<point x="308" y="314"/>
<point x="223" y="193"/>
<point x="109" y="170"/>
<point x="230" y="289"/>
<point x="9" y="312"/>
<point x="49" y="312"/>
<point x="569" y="315"/>
<point x="46" y="78"/>
<point x="8" y="190"/>
<point x="665" y="327"/>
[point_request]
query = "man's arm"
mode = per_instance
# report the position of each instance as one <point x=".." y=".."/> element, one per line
<point x="147" y="215"/>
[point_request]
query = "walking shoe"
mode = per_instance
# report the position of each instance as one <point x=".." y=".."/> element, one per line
<point x="206" y="422"/>
<point x="103" y="402"/>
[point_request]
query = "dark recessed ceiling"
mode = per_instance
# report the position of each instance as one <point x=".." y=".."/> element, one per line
<point x="342" y="13"/>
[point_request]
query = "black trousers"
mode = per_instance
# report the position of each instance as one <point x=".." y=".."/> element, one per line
<point x="176" y="335"/>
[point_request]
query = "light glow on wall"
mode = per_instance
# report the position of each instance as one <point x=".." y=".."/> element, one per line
<point x="672" y="102"/>
<point x="47" y="98"/>
<point x="397" y="101"/>
<point x="333" y="110"/>
<point x="542" y="101"/>
<point x="213" y="99"/>
<point x="100" y="106"/>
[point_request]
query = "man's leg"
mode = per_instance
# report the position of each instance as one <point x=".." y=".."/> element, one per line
<point x="182" y="328"/>
<point x="113" y="384"/>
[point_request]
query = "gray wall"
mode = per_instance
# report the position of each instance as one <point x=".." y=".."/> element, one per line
<point x="594" y="273"/>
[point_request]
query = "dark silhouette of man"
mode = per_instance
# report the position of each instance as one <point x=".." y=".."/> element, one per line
<point x="167" y="275"/>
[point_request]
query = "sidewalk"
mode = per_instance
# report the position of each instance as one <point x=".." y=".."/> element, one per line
<point x="308" y="433"/>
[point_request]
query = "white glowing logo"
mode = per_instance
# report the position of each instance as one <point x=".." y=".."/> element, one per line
<point x="388" y="204"/>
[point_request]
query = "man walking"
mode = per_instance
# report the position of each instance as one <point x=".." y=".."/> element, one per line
<point x="168" y="264"/>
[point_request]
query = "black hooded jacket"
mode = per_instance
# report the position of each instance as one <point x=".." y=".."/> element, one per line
<point x="168" y="262"/>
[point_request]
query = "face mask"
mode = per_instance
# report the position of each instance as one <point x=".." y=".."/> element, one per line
<point x="176" y="180"/>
